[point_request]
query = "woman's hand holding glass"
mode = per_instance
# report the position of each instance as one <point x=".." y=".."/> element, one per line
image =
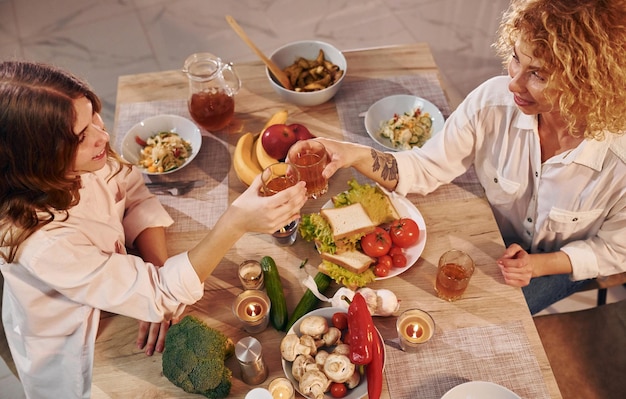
<point x="256" y="213"/>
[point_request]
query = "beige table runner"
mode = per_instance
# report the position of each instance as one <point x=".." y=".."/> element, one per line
<point x="200" y="208"/>
<point x="498" y="353"/>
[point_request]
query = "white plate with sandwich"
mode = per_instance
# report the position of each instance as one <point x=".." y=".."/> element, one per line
<point x="344" y="220"/>
<point x="405" y="208"/>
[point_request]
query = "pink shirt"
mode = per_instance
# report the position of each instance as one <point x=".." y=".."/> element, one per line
<point x="70" y="270"/>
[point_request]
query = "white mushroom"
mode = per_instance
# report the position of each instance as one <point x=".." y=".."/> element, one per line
<point x="301" y="365"/>
<point x="314" y="384"/>
<point x="290" y="347"/>
<point x="342" y="349"/>
<point x="309" y="342"/>
<point x="338" y="368"/>
<point x="331" y="337"/>
<point x="354" y="380"/>
<point x="314" y="326"/>
<point x="320" y="358"/>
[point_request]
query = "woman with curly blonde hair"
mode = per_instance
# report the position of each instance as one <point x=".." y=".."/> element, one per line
<point x="546" y="142"/>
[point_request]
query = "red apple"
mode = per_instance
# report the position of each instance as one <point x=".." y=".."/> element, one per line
<point x="301" y="131"/>
<point x="277" y="139"/>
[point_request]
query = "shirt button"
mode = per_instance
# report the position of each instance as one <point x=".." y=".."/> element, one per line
<point x="528" y="232"/>
<point x="536" y="174"/>
<point x="495" y="179"/>
<point x="575" y="220"/>
<point x="530" y="220"/>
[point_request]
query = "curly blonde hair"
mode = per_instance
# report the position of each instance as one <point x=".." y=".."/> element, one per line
<point x="582" y="44"/>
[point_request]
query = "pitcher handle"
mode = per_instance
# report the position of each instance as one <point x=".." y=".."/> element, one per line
<point x="231" y="77"/>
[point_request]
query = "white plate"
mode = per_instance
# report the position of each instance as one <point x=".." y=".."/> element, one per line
<point x="405" y="208"/>
<point x="480" y="390"/>
<point x="356" y="393"/>
<point x="384" y="109"/>
<point x="186" y="129"/>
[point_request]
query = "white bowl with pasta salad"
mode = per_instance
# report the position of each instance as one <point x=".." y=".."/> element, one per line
<point x="162" y="144"/>
<point x="402" y="121"/>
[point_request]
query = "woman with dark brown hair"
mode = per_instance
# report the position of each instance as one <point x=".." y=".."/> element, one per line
<point x="69" y="208"/>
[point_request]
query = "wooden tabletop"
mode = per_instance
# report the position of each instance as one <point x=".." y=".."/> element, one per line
<point x="466" y="222"/>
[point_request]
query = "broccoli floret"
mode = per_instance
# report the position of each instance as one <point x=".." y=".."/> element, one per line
<point x="194" y="358"/>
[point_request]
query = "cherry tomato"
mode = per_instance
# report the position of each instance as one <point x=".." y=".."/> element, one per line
<point x="381" y="270"/>
<point x="395" y="250"/>
<point x="340" y="320"/>
<point x="376" y="243"/>
<point x="338" y="389"/>
<point x="404" y="232"/>
<point x="398" y="260"/>
<point x="386" y="261"/>
<point x="346" y="336"/>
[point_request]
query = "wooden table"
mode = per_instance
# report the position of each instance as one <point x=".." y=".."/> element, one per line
<point x="122" y="371"/>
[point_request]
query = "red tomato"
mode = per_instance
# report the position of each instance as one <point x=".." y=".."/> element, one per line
<point x="376" y="243"/>
<point x="404" y="232"/>
<point x="398" y="260"/>
<point x="340" y="320"/>
<point x="395" y="250"/>
<point x="338" y="389"/>
<point x="386" y="261"/>
<point x="381" y="270"/>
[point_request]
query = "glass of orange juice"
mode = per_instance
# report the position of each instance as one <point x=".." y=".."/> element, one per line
<point x="275" y="178"/>
<point x="310" y="158"/>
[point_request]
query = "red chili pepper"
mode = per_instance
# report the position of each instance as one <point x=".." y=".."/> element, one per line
<point x="361" y="330"/>
<point x="374" y="370"/>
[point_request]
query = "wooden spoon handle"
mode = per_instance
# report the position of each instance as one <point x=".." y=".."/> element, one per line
<point x="275" y="69"/>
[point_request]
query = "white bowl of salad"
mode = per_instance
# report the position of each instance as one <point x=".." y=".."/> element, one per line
<point x="402" y="121"/>
<point x="162" y="144"/>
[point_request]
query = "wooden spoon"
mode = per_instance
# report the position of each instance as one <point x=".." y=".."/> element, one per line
<point x="283" y="79"/>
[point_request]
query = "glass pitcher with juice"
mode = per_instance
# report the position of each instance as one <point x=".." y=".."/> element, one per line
<point x="212" y="87"/>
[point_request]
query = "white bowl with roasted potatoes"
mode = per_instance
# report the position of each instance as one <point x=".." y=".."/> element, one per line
<point x="316" y="70"/>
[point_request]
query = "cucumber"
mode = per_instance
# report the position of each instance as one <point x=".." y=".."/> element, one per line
<point x="274" y="289"/>
<point x="309" y="301"/>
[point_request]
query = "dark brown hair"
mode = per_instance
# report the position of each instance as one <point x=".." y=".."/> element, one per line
<point x="37" y="148"/>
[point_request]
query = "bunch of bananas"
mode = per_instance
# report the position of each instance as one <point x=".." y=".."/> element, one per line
<point x="250" y="157"/>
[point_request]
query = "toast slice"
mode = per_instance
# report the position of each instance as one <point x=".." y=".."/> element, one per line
<point x="355" y="261"/>
<point x="348" y="220"/>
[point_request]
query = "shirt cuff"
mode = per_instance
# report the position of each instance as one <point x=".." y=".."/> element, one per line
<point x="181" y="279"/>
<point x="584" y="261"/>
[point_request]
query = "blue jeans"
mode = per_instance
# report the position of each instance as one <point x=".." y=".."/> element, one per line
<point x="546" y="290"/>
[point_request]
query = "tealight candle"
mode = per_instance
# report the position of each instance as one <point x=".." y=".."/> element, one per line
<point x="415" y="327"/>
<point x="281" y="388"/>
<point x="251" y="275"/>
<point x="252" y="308"/>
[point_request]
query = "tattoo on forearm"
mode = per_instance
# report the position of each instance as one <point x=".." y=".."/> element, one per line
<point x="386" y="164"/>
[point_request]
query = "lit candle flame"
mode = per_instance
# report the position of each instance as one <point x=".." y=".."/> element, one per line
<point x="254" y="309"/>
<point x="414" y="330"/>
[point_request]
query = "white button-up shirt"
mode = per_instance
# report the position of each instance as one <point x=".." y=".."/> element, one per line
<point x="574" y="202"/>
<point x="71" y="269"/>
